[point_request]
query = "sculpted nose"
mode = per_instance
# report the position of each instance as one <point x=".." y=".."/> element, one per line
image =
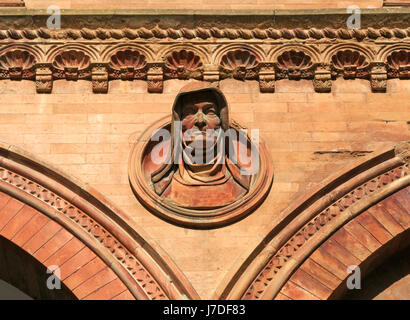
<point x="200" y="121"/>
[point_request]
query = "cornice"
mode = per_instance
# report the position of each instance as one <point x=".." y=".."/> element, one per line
<point x="247" y="19"/>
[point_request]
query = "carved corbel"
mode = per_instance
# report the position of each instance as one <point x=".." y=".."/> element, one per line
<point x="378" y="77"/>
<point x="323" y="78"/>
<point x="266" y="77"/>
<point x="155" y="77"/>
<point x="44" y="78"/>
<point x="211" y="73"/>
<point x="404" y="72"/>
<point x="99" y="77"/>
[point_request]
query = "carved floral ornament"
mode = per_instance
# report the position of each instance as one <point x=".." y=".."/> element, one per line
<point x="199" y="169"/>
<point x="265" y="63"/>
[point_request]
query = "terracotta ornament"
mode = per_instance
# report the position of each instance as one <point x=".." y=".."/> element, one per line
<point x="200" y="169"/>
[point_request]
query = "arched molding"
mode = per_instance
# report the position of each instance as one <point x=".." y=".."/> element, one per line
<point x="365" y="241"/>
<point x="109" y="51"/>
<point x="311" y="51"/>
<point x="304" y="226"/>
<point x="145" y="270"/>
<point x="91" y="51"/>
<point x="332" y="50"/>
<point x="42" y="244"/>
<point x="202" y="52"/>
<point x="385" y="52"/>
<point x="221" y="51"/>
<point x="36" y="51"/>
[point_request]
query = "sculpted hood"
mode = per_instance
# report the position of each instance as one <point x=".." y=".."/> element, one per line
<point x="197" y="87"/>
<point x="162" y="177"/>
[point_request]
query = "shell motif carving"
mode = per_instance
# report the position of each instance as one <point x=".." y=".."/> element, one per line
<point x="295" y="63"/>
<point x="18" y="64"/>
<point x="351" y="63"/>
<point x="128" y="65"/>
<point x="72" y="65"/>
<point x="399" y="64"/>
<point x="183" y="64"/>
<point x="242" y="64"/>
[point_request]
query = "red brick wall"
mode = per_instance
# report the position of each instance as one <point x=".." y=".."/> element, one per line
<point x="310" y="136"/>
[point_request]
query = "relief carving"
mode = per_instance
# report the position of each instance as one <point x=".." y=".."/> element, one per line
<point x="399" y="64"/>
<point x="201" y="169"/>
<point x="351" y="64"/>
<point x="295" y="65"/>
<point x="212" y="62"/>
<point x="240" y="64"/>
<point x="127" y="65"/>
<point x="155" y="77"/>
<point x="71" y="65"/>
<point x="183" y="64"/>
<point x="323" y="79"/>
<point x="44" y="78"/>
<point x="17" y="65"/>
<point x="99" y="77"/>
<point x="378" y="77"/>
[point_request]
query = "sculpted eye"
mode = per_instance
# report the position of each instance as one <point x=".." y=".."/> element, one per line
<point x="210" y="110"/>
<point x="188" y="111"/>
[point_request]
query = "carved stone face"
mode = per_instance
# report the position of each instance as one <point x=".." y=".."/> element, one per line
<point x="199" y="113"/>
<point x="207" y="182"/>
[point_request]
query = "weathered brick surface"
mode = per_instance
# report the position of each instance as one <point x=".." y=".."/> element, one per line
<point x="321" y="274"/>
<point x="309" y="136"/>
<point x="295" y="292"/>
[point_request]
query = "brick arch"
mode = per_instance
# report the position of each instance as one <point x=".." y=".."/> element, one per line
<point x="316" y="217"/>
<point x="84" y="274"/>
<point x="58" y="221"/>
<point x="365" y="241"/>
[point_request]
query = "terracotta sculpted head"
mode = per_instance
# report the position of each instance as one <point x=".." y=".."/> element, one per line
<point x="180" y="186"/>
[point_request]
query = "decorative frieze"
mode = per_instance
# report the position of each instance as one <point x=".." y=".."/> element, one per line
<point x="264" y="59"/>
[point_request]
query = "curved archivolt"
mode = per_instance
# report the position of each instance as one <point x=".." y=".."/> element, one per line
<point x="356" y="217"/>
<point x="62" y="223"/>
<point x="365" y="241"/>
